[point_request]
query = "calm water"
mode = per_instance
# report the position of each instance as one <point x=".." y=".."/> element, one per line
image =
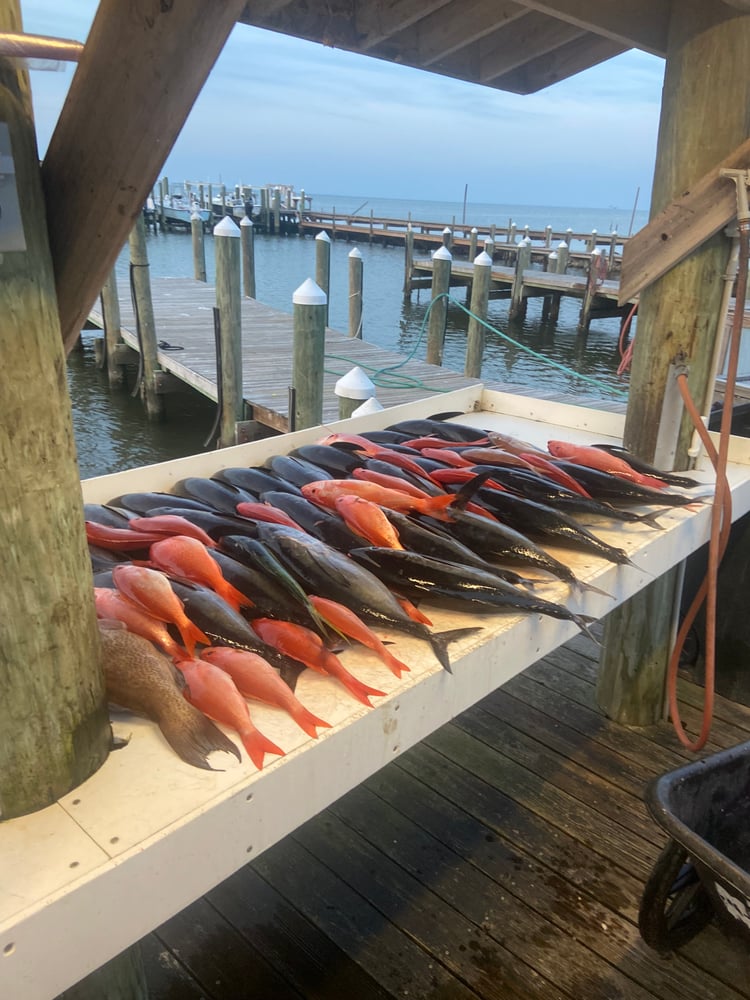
<point x="112" y="433"/>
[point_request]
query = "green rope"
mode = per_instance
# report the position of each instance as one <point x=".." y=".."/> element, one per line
<point x="381" y="376"/>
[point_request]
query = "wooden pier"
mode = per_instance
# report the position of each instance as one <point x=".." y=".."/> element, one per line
<point x="183" y="316"/>
<point x="502" y="858"/>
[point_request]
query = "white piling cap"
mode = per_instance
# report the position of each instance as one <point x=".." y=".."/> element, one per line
<point x="355" y="252"/>
<point x="442" y="254"/>
<point x="562" y="245"/>
<point x="323" y="235"/>
<point x="355" y="385"/>
<point x="309" y="294"/>
<point x="226" y="228"/>
<point x="371" y="405"/>
<point x="246" y="221"/>
<point x="483" y="260"/>
<point x="593" y="232"/>
<point x="598" y="251"/>
<point x="526" y="240"/>
<point x="553" y="255"/>
<point x="447" y="229"/>
<point x="195" y="217"/>
<point x="474" y="229"/>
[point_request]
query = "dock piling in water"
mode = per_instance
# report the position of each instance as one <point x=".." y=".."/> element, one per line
<point x="199" y="249"/>
<point x="355" y="293"/>
<point x="247" y="236"/>
<point x="310" y="304"/>
<point x="227" y="249"/>
<point x="141" y="286"/>
<point x="441" y="279"/>
<point x="480" y="296"/>
<point x="323" y="266"/>
<point x="112" y="335"/>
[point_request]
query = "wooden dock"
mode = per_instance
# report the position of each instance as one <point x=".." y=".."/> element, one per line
<point x="183" y="313"/>
<point x="503" y="858"/>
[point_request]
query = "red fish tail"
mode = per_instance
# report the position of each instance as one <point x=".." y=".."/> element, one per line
<point x="258" y="745"/>
<point x="356" y="688"/>
<point x="306" y="720"/>
<point x="191" y="635"/>
<point x="395" y="665"/>
<point x="413" y="611"/>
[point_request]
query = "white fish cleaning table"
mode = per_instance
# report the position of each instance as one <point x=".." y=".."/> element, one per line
<point x="148" y="834"/>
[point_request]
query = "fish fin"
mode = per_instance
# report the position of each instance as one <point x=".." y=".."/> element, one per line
<point x="258" y="745"/>
<point x="591" y="589"/>
<point x="583" y="622"/>
<point x="468" y="490"/>
<point x="307" y="721"/>
<point x="192" y="742"/>
<point x="289" y="674"/>
<point x="440" y="640"/>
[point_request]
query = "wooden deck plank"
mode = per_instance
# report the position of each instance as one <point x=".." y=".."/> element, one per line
<point x="494" y="860"/>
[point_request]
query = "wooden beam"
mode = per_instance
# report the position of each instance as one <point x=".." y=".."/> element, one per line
<point x="527" y="39"/>
<point x="142" y="68"/>
<point x="578" y="54"/>
<point x="682" y="226"/>
<point x="449" y="29"/>
<point x="639" y="24"/>
<point x="377" y="20"/>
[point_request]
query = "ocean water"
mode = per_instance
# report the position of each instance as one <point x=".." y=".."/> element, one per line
<point x="112" y="432"/>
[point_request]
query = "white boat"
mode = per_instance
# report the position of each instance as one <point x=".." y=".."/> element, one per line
<point x="178" y="211"/>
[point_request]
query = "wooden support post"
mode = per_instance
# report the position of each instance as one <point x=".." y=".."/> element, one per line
<point x="353" y="389"/>
<point x="309" y="308"/>
<point x="202" y="197"/>
<point x="523" y="260"/>
<point x="54" y="726"/>
<point x="511" y="232"/>
<point x="276" y="211"/>
<point x="211" y="202"/>
<point x="473" y="243"/>
<point x="162" y="199"/>
<point x="247" y="236"/>
<point x="708" y="51"/>
<point x="355" y="293"/>
<point x="441" y="282"/>
<point x="591" y="244"/>
<point x="447" y="237"/>
<point x="227" y="248"/>
<point x="144" y="308"/>
<point x="408" y="259"/>
<point x="112" y="334"/>
<point x="372" y="223"/>
<point x="548" y="236"/>
<point x="475" y="335"/>
<point x="301" y="208"/>
<point x="597" y="273"/>
<point x="323" y="266"/>
<point x="223" y="199"/>
<point x="199" y="247"/>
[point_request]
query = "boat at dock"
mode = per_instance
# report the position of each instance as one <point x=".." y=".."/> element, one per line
<point x="178" y="211"/>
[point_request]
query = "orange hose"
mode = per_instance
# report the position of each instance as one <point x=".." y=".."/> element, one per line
<point x="721" y="517"/>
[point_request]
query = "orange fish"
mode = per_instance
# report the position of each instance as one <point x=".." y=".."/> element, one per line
<point x="151" y="590"/>
<point x="324" y="493"/>
<point x="413" y="611"/>
<point x="213" y="691"/>
<point x="304" y="645"/>
<point x="390" y="482"/>
<point x="118" y="539"/>
<point x="172" y="524"/>
<point x="258" y="511"/>
<point x="556" y="474"/>
<point x="185" y="557"/>
<point x="110" y="603"/>
<point x="345" y="621"/>
<point x="365" y="518"/>
<point x="597" y="458"/>
<point x="256" y="678"/>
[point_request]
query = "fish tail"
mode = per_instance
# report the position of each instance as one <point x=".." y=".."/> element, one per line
<point x="306" y="720"/>
<point x="440" y="640"/>
<point x="193" y="736"/>
<point x="583" y="622"/>
<point x="258" y="745"/>
<point x="356" y="688"/>
<point x="651" y="519"/>
<point x="590" y="588"/>
<point x="191" y="635"/>
<point x="395" y="665"/>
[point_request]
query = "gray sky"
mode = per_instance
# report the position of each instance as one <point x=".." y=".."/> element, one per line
<point x="279" y="110"/>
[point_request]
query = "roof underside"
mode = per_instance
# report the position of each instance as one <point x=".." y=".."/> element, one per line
<point x="515" y="45"/>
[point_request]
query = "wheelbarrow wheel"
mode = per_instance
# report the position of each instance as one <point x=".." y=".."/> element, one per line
<point x="675" y="906"/>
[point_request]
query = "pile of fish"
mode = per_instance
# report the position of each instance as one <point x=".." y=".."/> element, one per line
<point x="228" y="588"/>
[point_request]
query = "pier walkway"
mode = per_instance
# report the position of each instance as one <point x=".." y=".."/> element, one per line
<point x="183" y="314"/>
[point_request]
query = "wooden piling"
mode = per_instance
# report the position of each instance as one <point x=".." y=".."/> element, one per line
<point x="548" y="236"/>
<point x="276" y="211"/>
<point x="144" y="308"/>
<point x="408" y="259"/>
<point x="355" y="293"/>
<point x="597" y="273"/>
<point x="309" y="306"/>
<point x="227" y="249"/>
<point x="473" y="243"/>
<point x="323" y="266"/>
<point x="223" y="197"/>
<point x="447" y="238"/>
<point x="162" y="195"/>
<point x="475" y="335"/>
<point x="353" y="389"/>
<point x="517" y="301"/>
<point x="112" y="337"/>
<point x="199" y="248"/>
<point x="441" y="279"/>
<point x="247" y="236"/>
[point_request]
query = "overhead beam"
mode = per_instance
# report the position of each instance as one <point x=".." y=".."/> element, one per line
<point x="139" y="74"/>
<point x="575" y="56"/>
<point x="527" y="39"/>
<point x="640" y="24"/>
<point x="447" y="30"/>
<point x="377" y="20"/>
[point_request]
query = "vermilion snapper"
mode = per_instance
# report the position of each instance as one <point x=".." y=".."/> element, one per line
<point x="171" y="524"/>
<point x="367" y="519"/>
<point x="187" y="558"/>
<point x="304" y="645"/>
<point x="256" y="678"/>
<point x="213" y="691"/>
<point x="151" y="590"/>
<point x="595" y="458"/>
<point x="326" y="491"/>
<point x="111" y="604"/>
<point x="350" y="625"/>
<point x="119" y="539"/>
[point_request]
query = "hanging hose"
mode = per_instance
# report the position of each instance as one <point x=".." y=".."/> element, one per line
<point x="721" y="513"/>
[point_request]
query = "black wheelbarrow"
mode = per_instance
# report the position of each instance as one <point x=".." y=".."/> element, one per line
<point x="702" y="873"/>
